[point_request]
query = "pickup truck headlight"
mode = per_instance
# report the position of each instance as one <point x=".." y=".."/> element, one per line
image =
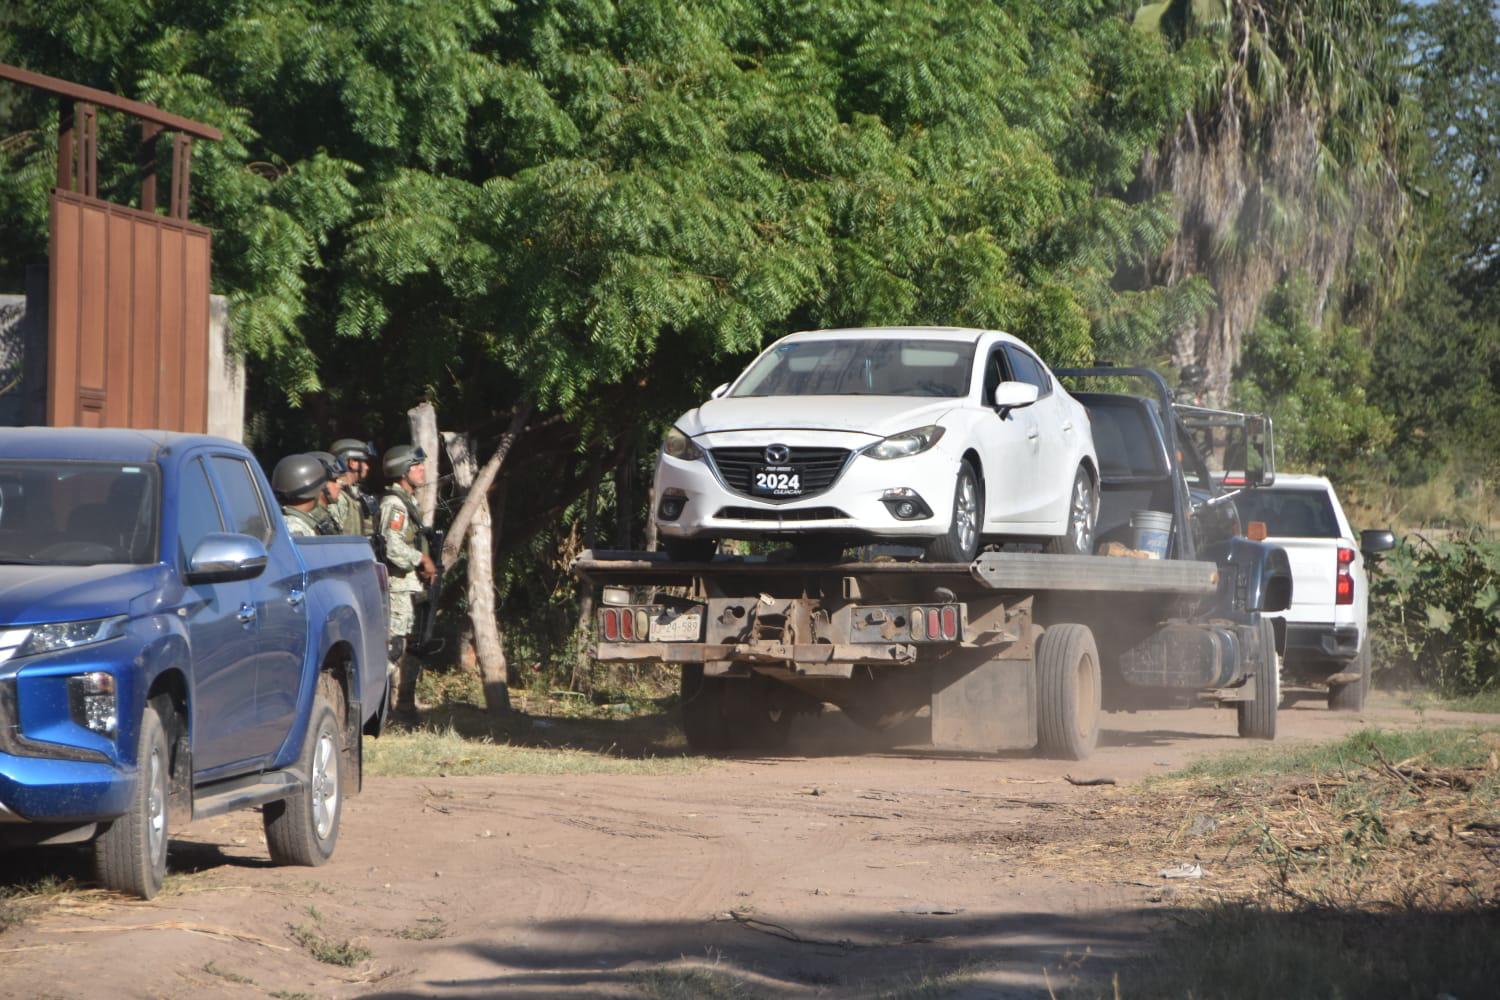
<point x="912" y="442"/>
<point x="678" y="445"/>
<point x="91" y="701"/>
<point x="64" y="635"/>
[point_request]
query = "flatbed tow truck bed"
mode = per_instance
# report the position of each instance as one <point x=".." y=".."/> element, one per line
<point x="1016" y="650"/>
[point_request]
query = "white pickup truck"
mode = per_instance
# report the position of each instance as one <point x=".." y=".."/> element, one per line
<point x="1327" y="633"/>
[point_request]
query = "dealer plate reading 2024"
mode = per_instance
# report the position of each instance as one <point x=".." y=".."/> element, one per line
<point x="777" y="481"/>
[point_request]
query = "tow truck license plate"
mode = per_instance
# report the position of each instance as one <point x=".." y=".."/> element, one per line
<point x="685" y="627"/>
<point x="777" y="481"/>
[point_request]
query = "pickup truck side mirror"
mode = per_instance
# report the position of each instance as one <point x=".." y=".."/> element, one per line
<point x="1376" y="540"/>
<point x="223" y="558"/>
<point x="719" y="391"/>
<point x="1013" y="396"/>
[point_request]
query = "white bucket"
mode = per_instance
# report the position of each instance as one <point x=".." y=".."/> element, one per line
<point x="1152" y="531"/>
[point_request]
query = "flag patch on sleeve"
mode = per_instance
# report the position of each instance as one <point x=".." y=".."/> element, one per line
<point x="398" y="520"/>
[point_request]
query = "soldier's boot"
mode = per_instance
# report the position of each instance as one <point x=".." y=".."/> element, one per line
<point x="407" y="672"/>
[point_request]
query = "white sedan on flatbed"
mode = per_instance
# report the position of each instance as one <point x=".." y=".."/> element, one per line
<point x="929" y="436"/>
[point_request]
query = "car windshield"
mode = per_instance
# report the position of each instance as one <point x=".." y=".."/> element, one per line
<point x="875" y="367"/>
<point x="1290" y="513"/>
<point x="78" y="513"/>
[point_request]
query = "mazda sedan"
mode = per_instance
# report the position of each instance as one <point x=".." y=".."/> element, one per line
<point x="939" y="437"/>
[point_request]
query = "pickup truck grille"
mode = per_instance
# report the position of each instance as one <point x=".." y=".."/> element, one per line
<point x="820" y="468"/>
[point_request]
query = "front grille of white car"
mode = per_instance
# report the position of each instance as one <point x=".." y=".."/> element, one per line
<point x="796" y="514"/>
<point x="820" y="467"/>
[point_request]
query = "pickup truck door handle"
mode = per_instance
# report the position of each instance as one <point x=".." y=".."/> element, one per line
<point x="246" y="614"/>
<point x="1067" y="425"/>
<point x="295" y="597"/>
<point x="1032" y="434"/>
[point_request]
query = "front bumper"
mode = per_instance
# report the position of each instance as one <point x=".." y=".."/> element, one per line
<point x="852" y="506"/>
<point x="1320" y="643"/>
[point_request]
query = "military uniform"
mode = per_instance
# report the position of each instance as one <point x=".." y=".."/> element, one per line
<point x="299" y="523"/>
<point x="325" y="519"/>
<point x="346" y="511"/>
<point x="405" y="545"/>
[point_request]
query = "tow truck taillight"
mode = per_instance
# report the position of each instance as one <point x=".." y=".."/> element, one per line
<point x="611" y="618"/>
<point x="1343" y="587"/>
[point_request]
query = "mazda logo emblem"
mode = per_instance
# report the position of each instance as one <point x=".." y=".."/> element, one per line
<point x="777" y="454"/>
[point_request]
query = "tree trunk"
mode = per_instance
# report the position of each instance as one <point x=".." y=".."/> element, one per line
<point x="651" y="539"/>
<point x="424" y="434"/>
<point x="479" y="492"/>
<point x="581" y="631"/>
<point x="481" y="581"/>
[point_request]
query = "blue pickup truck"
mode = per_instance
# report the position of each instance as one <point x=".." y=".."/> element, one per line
<point x="169" y="652"/>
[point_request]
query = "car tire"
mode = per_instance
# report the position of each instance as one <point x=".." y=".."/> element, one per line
<point x="130" y="855"/>
<point x="960" y="544"/>
<point x="303" y="830"/>
<point x="1083" y="515"/>
<point x="1257" y="719"/>
<point x="690" y="549"/>
<point x="1069" y="687"/>
<point x="1351" y="697"/>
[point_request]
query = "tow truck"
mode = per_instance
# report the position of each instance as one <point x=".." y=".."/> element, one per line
<point x="1016" y="650"/>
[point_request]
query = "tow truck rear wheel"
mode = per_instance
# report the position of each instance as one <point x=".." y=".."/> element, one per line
<point x="1068" y="692"/>
<point x="130" y="856"/>
<point x="1257" y="719"/>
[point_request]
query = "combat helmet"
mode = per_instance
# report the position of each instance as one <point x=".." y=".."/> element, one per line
<point x="347" y="448"/>
<point x="335" y="463"/>
<point x="298" y="478"/>
<point x="399" y="459"/>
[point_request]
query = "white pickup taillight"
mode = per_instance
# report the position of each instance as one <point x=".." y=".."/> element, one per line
<point x="1343" y="592"/>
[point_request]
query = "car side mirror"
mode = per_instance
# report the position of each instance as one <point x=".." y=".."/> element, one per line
<point x="1376" y="540"/>
<point x="224" y="558"/>
<point x="719" y="391"/>
<point x="1013" y="396"/>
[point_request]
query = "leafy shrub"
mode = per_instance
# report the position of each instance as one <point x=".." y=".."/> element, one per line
<point x="1435" y="613"/>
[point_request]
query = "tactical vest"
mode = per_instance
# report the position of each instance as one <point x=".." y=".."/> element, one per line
<point x="413" y="517"/>
<point x="323" y="519"/>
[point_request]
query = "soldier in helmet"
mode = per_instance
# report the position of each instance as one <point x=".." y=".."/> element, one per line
<point x="359" y="511"/>
<point x="407" y="556"/>
<point x="298" y="482"/>
<point x="327" y="512"/>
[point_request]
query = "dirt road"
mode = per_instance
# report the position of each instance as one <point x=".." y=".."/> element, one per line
<point x="817" y="873"/>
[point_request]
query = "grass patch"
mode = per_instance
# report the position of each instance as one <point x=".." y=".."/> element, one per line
<point x="345" y="954"/>
<point x="432" y="752"/>
<point x="425" y="929"/>
<point x="227" y="976"/>
<point x="24" y="901"/>
<point x="925" y="985"/>
<point x="1452" y="747"/>
<point x="692" y="984"/>
<point x="1487" y="702"/>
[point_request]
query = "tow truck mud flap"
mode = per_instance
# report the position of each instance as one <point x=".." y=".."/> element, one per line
<point x="988" y="706"/>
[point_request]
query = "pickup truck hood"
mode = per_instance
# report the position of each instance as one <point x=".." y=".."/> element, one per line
<point x="874" y="416"/>
<point x="34" y="595"/>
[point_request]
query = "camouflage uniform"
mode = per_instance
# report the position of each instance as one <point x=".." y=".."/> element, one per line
<point x="324" y="519"/>
<point x="405" y="544"/>
<point x="299" y="523"/>
<point x="346" y="512"/>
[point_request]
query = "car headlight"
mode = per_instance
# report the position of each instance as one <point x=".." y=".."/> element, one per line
<point x="912" y="442"/>
<point x="678" y="445"/>
<point x="65" y="635"/>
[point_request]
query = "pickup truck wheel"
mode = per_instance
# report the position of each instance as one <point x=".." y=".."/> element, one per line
<point x="1068" y="692"/>
<point x="1083" y="513"/>
<point x="703" y="720"/>
<point x="690" y="549"/>
<point x="1351" y="697"/>
<point x="304" y="829"/>
<point x="961" y="542"/>
<point x="131" y="854"/>
<point x="1257" y="719"/>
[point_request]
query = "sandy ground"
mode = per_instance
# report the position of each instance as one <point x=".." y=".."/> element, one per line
<point x="819" y="873"/>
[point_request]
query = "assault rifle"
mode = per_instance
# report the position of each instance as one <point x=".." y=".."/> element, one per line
<point x="425" y="645"/>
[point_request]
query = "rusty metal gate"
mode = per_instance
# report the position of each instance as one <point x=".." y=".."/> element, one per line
<point x="129" y="318"/>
